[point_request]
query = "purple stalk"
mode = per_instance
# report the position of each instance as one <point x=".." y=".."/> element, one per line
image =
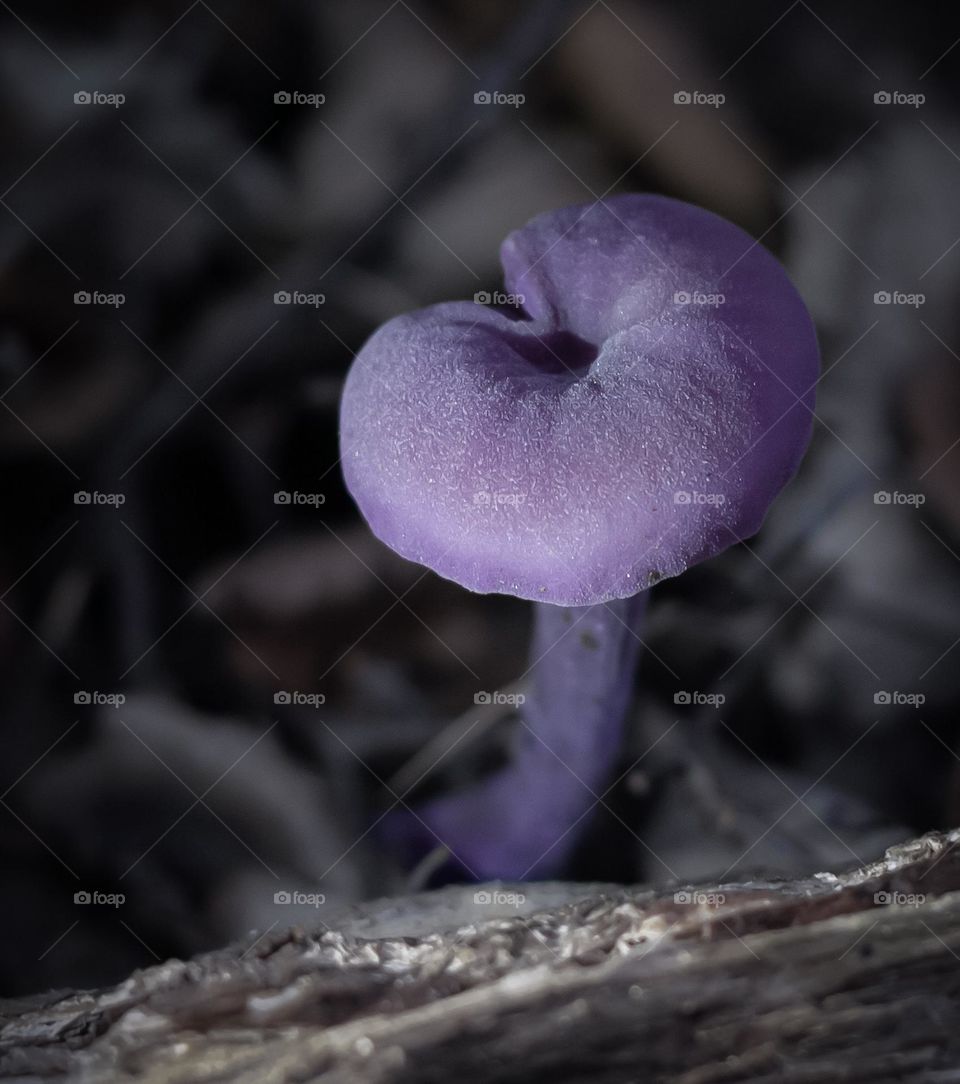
<point x="525" y="821"/>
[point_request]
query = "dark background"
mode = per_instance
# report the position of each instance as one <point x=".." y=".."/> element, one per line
<point x="199" y="599"/>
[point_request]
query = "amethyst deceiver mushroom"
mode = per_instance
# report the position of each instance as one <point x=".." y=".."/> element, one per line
<point x="638" y="412"/>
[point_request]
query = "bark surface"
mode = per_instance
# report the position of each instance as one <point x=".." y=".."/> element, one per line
<point x="847" y="977"/>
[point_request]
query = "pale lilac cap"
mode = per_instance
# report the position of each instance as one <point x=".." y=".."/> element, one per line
<point x="637" y="415"/>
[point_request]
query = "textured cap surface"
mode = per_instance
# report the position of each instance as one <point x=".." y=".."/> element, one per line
<point x="642" y="412"/>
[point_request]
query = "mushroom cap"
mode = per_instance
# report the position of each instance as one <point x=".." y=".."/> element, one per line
<point x="636" y="412"/>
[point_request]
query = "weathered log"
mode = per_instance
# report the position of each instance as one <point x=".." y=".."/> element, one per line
<point x="849" y="977"/>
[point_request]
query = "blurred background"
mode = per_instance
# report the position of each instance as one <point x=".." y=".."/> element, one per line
<point x="215" y="681"/>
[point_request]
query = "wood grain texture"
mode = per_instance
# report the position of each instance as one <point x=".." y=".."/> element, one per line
<point x="805" y="981"/>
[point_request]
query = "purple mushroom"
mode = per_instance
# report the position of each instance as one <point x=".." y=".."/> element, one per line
<point x="636" y="411"/>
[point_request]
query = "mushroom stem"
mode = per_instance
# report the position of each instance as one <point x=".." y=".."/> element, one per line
<point x="524" y="821"/>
